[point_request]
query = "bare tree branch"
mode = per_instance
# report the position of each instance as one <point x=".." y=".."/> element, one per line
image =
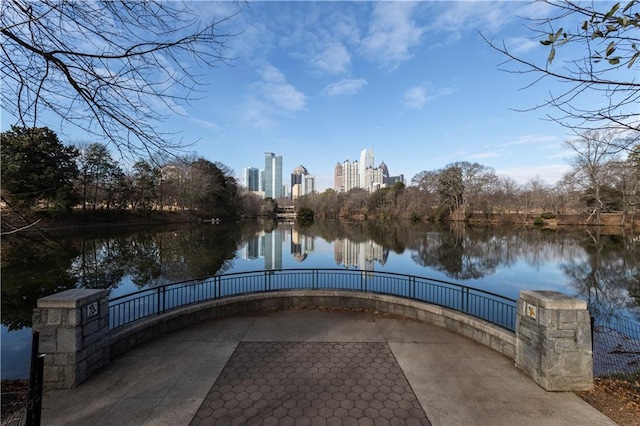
<point x="607" y="43"/>
<point x="111" y="68"/>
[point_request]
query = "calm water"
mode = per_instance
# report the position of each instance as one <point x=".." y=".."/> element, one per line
<point x="604" y="269"/>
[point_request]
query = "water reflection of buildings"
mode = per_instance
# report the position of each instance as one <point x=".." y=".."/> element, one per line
<point x="251" y="249"/>
<point x="301" y="245"/>
<point x="272" y="243"/>
<point x="359" y="255"/>
<point x="269" y="245"/>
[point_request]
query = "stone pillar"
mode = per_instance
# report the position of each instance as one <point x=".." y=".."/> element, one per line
<point x="74" y="335"/>
<point x="553" y="340"/>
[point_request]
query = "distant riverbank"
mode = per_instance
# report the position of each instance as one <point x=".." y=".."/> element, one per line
<point x="49" y="221"/>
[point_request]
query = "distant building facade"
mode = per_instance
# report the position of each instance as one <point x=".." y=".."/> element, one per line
<point x="302" y="183"/>
<point x="338" y="178"/>
<point x="366" y="162"/>
<point x="273" y="175"/>
<point x="363" y="174"/>
<point x="251" y="178"/>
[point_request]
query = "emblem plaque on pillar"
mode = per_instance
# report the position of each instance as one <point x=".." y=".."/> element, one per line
<point x="531" y="311"/>
<point x="92" y="310"/>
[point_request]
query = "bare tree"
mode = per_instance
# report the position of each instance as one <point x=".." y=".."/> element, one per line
<point x="594" y="154"/>
<point x="607" y="43"/>
<point x="113" y="68"/>
<point x="628" y="183"/>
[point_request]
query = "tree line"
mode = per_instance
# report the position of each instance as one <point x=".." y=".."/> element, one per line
<point x="604" y="177"/>
<point x="40" y="172"/>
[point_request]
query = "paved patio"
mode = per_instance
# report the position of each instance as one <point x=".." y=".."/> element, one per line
<point x="311" y="367"/>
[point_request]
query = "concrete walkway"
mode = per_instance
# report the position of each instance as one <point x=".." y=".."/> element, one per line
<point x="315" y="368"/>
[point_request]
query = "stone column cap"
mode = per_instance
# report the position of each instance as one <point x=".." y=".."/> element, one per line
<point x="73" y="298"/>
<point x="552" y="300"/>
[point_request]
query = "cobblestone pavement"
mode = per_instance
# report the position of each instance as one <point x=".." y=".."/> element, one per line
<point x="295" y="383"/>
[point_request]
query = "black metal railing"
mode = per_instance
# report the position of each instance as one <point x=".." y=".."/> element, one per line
<point x="29" y="413"/>
<point x="482" y="304"/>
<point x="616" y="345"/>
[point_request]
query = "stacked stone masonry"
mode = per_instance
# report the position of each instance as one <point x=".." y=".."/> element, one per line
<point x="74" y="335"/>
<point x="554" y="340"/>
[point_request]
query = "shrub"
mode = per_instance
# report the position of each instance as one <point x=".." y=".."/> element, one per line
<point x="548" y="215"/>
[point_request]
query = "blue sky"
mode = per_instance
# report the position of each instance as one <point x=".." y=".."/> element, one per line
<point x="317" y="82"/>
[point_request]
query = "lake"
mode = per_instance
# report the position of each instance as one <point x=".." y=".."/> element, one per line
<point x="602" y="268"/>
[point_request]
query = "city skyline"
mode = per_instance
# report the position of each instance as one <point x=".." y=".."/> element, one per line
<point x="415" y="81"/>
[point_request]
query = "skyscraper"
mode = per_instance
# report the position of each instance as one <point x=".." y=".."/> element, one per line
<point x="366" y="161"/>
<point x="302" y="183"/>
<point x="272" y="175"/>
<point x="297" y="175"/>
<point x="350" y="175"/>
<point x="251" y="178"/>
<point x="338" y="178"/>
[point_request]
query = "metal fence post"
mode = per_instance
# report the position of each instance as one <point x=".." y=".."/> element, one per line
<point x="412" y="287"/>
<point x="37" y="401"/>
<point x="593" y="321"/>
<point x="464" y="294"/>
<point x="33" y="375"/>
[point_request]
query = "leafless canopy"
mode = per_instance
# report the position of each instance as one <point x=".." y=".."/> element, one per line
<point x="591" y="51"/>
<point x="113" y="68"/>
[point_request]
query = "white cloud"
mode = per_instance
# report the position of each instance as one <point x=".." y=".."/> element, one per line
<point x="417" y="96"/>
<point x="521" y="45"/>
<point x="204" y="123"/>
<point x="392" y="34"/>
<point x="345" y="87"/>
<point x="274" y="91"/>
<point x="272" y="97"/>
<point x="334" y="59"/>
<point x="452" y="17"/>
<point x="532" y="140"/>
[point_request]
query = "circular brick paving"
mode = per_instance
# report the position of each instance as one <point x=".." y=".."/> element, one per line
<point x="294" y="383"/>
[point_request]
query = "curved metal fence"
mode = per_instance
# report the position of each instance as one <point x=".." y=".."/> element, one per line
<point x="616" y="346"/>
<point x="482" y="304"/>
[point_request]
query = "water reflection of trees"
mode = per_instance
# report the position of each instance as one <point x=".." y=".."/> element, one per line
<point x="464" y="253"/>
<point x="31" y="270"/>
<point x="156" y="257"/>
<point x="608" y="275"/>
<point x="604" y="269"/>
<point x="102" y="261"/>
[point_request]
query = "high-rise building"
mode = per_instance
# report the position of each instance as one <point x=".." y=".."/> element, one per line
<point x="373" y="179"/>
<point x="251" y="178"/>
<point x="297" y="174"/>
<point x="351" y="175"/>
<point x="366" y="161"/>
<point x="272" y="175"/>
<point x="302" y="183"/>
<point x="308" y="184"/>
<point x="363" y="174"/>
<point x="338" y="178"/>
